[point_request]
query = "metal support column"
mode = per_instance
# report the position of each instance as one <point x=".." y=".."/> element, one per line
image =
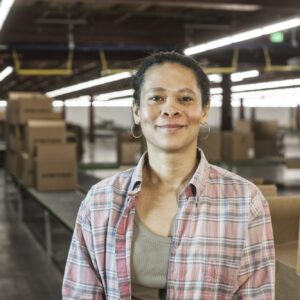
<point x="64" y="110"/>
<point x="242" y="110"/>
<point x="91" y="121"/>
<point x="226" y="105"/>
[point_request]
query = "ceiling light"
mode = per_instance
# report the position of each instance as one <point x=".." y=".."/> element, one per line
<point x="88" y="84"/>
<point x="239" y="76"/>
<point x="6" y="72"/>
<point x="216" y="78"/>
<point x="243" y="36"/>
<point x="118" y="94"/>
<point x="5" y="7"/>
<point x="119" y="102"/>
<point x="266" y="85"/>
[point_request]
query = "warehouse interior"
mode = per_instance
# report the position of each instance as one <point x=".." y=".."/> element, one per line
<point x="66" y="72"/>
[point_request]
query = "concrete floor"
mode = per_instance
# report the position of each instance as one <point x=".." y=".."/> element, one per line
<point x="25" y="271"/>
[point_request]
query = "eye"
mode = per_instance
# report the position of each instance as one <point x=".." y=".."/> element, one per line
<point x="156" y="98"/>
<point x="186" y="99"/>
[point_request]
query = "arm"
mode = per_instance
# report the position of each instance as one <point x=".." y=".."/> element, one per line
<point x="256" y="277"/>
<point x="81" y="278"/>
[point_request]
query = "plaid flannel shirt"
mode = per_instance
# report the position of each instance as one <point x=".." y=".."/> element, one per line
<point x="222" y="244"/>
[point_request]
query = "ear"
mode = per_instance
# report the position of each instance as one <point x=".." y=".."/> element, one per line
<point x="136" y="114"/>
<point x="205" y="113"/>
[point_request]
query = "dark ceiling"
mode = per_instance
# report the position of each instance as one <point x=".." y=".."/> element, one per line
<point x="42" y="32"/>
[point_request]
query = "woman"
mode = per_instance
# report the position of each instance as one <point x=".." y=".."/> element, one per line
<point x="174" y="227"/>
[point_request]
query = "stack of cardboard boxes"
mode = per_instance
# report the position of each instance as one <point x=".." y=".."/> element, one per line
<point x="266" y="139"/>
<point x="260" y="140"/>
<point x="37" y="151"/>
<point x="228" y="145"/>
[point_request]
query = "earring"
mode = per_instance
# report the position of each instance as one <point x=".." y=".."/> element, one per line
<point x="207" y="130"/>
<point x="133" y="128"/>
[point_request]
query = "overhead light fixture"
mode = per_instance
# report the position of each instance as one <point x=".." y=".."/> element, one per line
<point x="6" y="72"/>
<point x="118" y="102"/>
<point x="266" y="85"/>
<point x="88" y="84"/>
<point x="243" y="36"/>
<point x="5" y="7"/>
<point x="216" y="78"/>
<point x="112" y="95"/>
<point x="268" y="98"/>
<point x="239" y="76"/>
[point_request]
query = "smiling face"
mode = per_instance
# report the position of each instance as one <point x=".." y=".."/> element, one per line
<point x="170" y="111"/>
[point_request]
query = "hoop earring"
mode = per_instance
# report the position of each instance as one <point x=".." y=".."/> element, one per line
<point x="208" y="131"/>
<point x="132" y="128"/>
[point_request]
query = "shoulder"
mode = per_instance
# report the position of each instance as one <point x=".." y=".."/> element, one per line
<point x="237" y="189"/>
<point x="109" y="190"/>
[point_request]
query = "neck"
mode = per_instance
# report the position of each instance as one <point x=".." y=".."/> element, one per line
<point x="170" y="169"/>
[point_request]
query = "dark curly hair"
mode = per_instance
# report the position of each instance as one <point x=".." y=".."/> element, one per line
<point x="171" y="57"/>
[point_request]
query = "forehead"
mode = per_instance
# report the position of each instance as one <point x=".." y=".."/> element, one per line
<point x="170" y="75"/>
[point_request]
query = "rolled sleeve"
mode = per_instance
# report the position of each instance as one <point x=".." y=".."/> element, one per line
<point x="256" y="275"/>
<point x="81" y="278"/>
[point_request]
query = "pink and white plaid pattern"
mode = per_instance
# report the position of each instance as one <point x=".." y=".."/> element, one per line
<point x="222" y="245"/>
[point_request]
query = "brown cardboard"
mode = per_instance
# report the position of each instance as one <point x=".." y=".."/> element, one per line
<point x="211" y="146"/>
<point x="2" y="116"/>
<point x="30" y="106"/>
<point x="27" y="170"/>
<point x="285" y="213"/>
<point x="256" y="180"/>
<point x="56" y="167"/>
<point x="265" y="129"/>
<point x="293" y="163"/>
<point x="268" y="189"/>
<point x="11" y="112"/>
<point x="13" y="162"/>
<point x="236" y="145"/>
<point x="43" y="132"/>
<point x="15" y="138"/>
<point x="243" y="126"/>
<point x="129" y="149"/>
<point x="264" y="148"/>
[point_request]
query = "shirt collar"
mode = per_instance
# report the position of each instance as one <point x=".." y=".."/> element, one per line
<point x="198" y="180"/>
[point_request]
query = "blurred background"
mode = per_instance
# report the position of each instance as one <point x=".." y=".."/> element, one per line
<point x="65" y="115"/>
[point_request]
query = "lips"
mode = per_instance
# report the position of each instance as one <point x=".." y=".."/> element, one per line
<point x="171" y="126"/>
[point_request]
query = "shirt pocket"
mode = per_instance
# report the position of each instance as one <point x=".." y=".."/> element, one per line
<point x="214" y="273"/>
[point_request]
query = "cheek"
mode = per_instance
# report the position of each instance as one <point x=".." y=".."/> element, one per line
<point x="147" y="115"/>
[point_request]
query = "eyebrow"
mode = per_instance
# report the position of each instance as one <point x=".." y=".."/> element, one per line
<point x="160" y="89"/>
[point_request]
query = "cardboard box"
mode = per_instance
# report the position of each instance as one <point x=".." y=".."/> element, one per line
<point x="30" y="106"/>
<point x="129" y="149"/>
<point x="285" y="214"/>
<point x="243" y="126"/>
<point x="268" y="190"/>
<point x="211" y="145"/>
<point x="236" y="145"/>
<point x="27" y="170"/>
<point x="11" y="112"/>
<point x="2" y="116"/>
<point x="43" y="132"/>
<point x="15" y="138"/>
<point x="13" y="163"/>
<point x="266" y="148"/>
<point x="265" y="129"/>
<point x="55" y="167"/>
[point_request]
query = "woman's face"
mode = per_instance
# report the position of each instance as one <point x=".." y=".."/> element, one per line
<point x="170" y="112"/>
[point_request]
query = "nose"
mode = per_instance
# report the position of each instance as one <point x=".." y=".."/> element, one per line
<point x="170" y="109"/>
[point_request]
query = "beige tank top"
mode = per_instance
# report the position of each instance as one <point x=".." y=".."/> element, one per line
<point x="149" y="263"/>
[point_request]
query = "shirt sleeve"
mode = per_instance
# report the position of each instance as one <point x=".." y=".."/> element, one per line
<point x="256" y="277"/>
<point x="81" y="278"/>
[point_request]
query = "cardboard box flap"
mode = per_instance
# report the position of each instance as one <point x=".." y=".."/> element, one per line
<point x="268" y="189"/>
<point x="26" y="95"/>
<point x="46" y="123"/>
<point x="56" y="152"/>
